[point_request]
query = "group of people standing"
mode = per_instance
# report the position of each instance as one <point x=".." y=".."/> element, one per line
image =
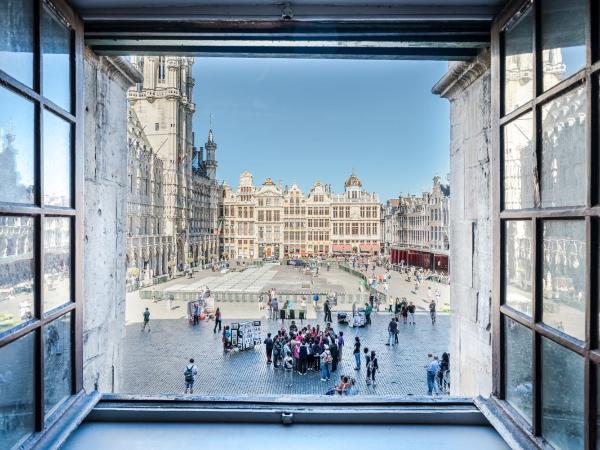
<point x="306" y="349"/>
<point x="311" y="349"/>
<point x="370" y="359"/>
<point x="403" y="308"/>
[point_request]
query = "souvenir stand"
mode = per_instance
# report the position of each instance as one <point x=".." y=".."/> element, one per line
<point x="245" y="335"/>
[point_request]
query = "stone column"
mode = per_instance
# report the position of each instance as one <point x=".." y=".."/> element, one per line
<point x="467" y="87"/>
<point x="106" y="81"/>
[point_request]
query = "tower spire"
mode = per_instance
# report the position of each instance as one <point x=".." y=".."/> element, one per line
<point x="210" y="132"/>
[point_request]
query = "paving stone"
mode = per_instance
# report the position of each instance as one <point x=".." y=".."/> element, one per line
<point x="154" y="361"/>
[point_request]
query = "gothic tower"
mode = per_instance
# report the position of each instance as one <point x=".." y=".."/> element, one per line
<point x="163" y="103"/>
<point x="211" y="162"/>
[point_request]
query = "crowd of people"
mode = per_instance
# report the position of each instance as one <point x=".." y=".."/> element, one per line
<point x="312" y="349"/>
<point x="305" y="347"/>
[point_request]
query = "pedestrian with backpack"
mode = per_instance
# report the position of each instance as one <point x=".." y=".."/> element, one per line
<point x="189" y="374"/>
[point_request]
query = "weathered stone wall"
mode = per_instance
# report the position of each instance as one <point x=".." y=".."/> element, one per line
<point x="105" y="194"/>
<point x="467" y="86"/>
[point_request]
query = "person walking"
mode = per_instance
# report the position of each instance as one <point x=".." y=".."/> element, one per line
<point x="269" y="347"/>
<point x="432" y="369"/>
<point x="392" y="329"/>
<point x="411" y="313"/>
<point x="368" y="311"/>
<point x="373" y="366"/>
<point x="217" y="320"/>
<point x="356" y="352"/>
<point x="189" y="374"/>
<point x="327" y="309"/>
<point x="397" y="330"/>
<point x="146" y="323"/>
<point x="404" y="312"/>
<point x="316" y="301"/>
<point x="195" y="313"/>
<point x="367" y="364"/>
<point x="274" y="308"/>
<point x="340" y="343"/>
<point x="432" y="311"/>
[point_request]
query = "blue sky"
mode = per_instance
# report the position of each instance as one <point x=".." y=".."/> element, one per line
<point x="305" y="120"/>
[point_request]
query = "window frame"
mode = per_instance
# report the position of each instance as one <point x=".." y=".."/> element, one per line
<point x="589" y="77"/>
<point x="39" y="211"/>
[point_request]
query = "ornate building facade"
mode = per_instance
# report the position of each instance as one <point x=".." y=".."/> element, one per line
<point x="271" y="221"/>
<point x="173" y="198"/>
<point x="421" y="228"/>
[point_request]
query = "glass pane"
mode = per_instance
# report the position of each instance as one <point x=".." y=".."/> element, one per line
<point x="519" y="388"/>
<point x="16" y="148"/>
<point x="564" y="169"/>
<point x="16" y="271"/>
<point x="518" y="63"/>
<point x="564" y="276"/>
<point x="57" y="362"/>
<point x="57" y="161"/>
<point x="16" y="39"/>
<point x="519" y="163"/>
<point x="17" y="390"/>
<point x="57" y="262"/>
<point x="56" y="59"/>
<point x="597" y="406"/>
<point x="562" y="396"/>
<point x="563" y="39"/>
<point x="518" y="261"/>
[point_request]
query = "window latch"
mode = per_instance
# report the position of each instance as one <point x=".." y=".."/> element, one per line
<point x="287" y="418"/>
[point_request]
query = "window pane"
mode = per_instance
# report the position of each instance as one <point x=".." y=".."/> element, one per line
<point x="518" y="261"/>
<point x="57" y="262"/>
<point x="518" y="63"/>
<point x="597" y="407"/>
<point x="563" y="39"/>
<point x="519" y="163"/>
<point x="16" y="148"/>
<point x="57" y="161"/>
<point x="57" y="362"/>
<point x="564" y="276"/>
<point x="17" y="390"/>
<point x="518" y="367"/>
<point x="16" y="39"/>
<point x="562" y="396"/>
<point x="564" y="174"/>
<point x="56" y="59"/>
<point x="16" y="271"/>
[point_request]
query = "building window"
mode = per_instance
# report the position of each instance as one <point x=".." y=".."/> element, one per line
<point x="547" y="223"/>
<point x="161" y="69"/>
<point x="39" y="332"/>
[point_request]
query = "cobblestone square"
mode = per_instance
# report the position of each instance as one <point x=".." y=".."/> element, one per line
<point x="154" y="361"/>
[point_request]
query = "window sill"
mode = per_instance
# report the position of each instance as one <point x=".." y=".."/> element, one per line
<point x="513" y="431"/>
